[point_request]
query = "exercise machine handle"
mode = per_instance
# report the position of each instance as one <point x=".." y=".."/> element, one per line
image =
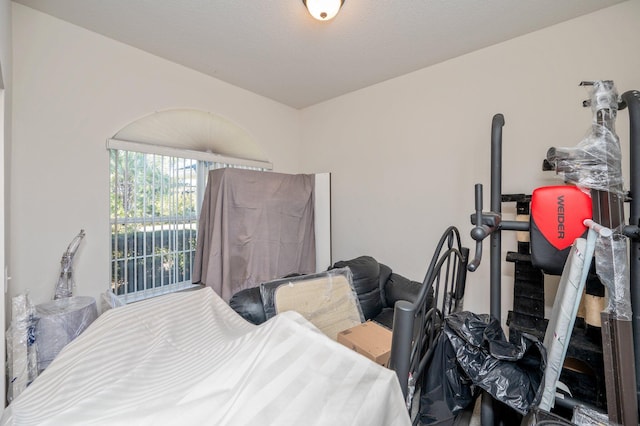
<point x="481" y="230"/>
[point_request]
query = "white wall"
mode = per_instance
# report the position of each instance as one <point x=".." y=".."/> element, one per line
<point x="405" y="154"/>
<point x="73" y="90"/>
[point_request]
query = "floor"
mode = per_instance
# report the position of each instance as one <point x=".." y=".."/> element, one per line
<point x="475" y="417"/>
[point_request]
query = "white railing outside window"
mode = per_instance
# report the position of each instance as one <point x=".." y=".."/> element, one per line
<point x="154" y="207"/>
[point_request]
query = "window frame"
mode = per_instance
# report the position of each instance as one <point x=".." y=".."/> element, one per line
<point x="206" y="161"/>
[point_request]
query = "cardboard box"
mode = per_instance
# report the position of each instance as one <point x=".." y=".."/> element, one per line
<point x="369" y="339"/>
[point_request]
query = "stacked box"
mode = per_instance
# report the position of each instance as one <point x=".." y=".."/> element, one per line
<point x="369" y="339"/>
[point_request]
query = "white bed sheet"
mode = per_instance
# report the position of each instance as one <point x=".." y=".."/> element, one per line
<point x="188" y="359"/>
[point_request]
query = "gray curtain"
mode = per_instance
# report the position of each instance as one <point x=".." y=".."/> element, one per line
<point x="254" y="227"/>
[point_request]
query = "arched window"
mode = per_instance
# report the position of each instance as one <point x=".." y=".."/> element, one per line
<point x="156" y="193"/>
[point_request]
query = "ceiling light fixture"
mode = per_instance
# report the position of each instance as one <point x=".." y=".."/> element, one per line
<point x="323" y="10"/>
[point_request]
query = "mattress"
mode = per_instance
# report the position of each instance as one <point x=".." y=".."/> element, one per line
<point x="188" y="359"/>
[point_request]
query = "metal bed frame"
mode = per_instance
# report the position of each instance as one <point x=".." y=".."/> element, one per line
<point x="417" y="325"/>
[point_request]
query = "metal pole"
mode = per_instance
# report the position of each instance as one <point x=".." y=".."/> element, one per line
<point x="617" y="333"/>
<point x="487" y="412"/>
<point x="400" y="358"/>
<point x="632" y="99"/>
<point x="496" y="207"/>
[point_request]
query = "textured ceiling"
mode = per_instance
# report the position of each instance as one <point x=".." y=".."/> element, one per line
<point x="274" y="48"/>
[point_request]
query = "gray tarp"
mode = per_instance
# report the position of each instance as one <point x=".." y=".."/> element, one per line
<point x="254" y="227"/>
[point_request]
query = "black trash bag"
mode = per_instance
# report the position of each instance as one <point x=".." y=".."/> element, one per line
<point x="511" y="373"/>
<point x="446" y="389"/>
<point x="473" y="354"/>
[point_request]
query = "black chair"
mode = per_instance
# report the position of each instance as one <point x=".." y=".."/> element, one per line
<point x="377" y="287"/>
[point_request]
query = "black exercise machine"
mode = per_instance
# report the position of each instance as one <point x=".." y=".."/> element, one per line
<point x="490" y="224"/>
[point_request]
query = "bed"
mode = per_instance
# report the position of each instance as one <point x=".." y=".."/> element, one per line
<point x="189" y="359"/>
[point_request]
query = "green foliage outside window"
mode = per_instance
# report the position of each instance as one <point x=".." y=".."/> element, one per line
<point x="153" y="220"/>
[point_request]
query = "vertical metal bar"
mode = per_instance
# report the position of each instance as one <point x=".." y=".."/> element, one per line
<point x="162" y="213"/>
<point x="613" y="396"/>
<point x="114" y="227"/>
<point x="154" y="222"/>
<point x="132" y="215"/>
<point x="182" y="219"/>
<point x="496" y="207"/>
<point x="632" y="99"/>
<point x="170" y="236"/>
<point x="124" y="223"/>
<point x="487" y="406"/>
<point x="487" y="415"/>
<point x="175" y="219"/>
<point x="185" y="207"/>
<point x="626" y="380"/>
<point x="173" y="202"/>
<point x="616" y="333"/>
<point x="193" y="225"/>
<point x="400" y="358"/>
<point x="172" y="219"/>
<point x="144" y="225"/>
<point x="461" y="278"/>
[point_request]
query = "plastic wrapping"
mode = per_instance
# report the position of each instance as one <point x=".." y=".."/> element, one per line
<point x="510" y="373"/>
<point x="21" y="346"/>
<point x="446" y="390"/>
<point x="583" y="416"/>
<point x="595" y="163"/>
<point x="61" y="321"/>
<point x="65" y="285"/>
<point x="108" y="300"/>
<point x="366" y="272"/>
<point x="539" y="417"/>
<point x="613" y="271"/>
<point x="326" y="299"/>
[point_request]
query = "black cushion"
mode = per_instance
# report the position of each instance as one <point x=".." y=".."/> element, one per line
<point x="385" y="318"/>
<point x="377" y="288"/>
<point x="401" y="288"/>
<point x="365" y="272"/>
<point x="248" y="303"/>
<point x="385" y="273"/>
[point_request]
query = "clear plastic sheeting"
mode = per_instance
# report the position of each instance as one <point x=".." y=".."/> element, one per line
<point x="539" y="417"/>
<point x="61" y="321"/>
<point x="595" y="163"/>
<point x="584" y="416"/>
<point x="326" y="299"/>
<point x="108" y="300"/>
<point x="21" y="346"/>
<point x="613" y="272"/>
<point x="65" y="285"/>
